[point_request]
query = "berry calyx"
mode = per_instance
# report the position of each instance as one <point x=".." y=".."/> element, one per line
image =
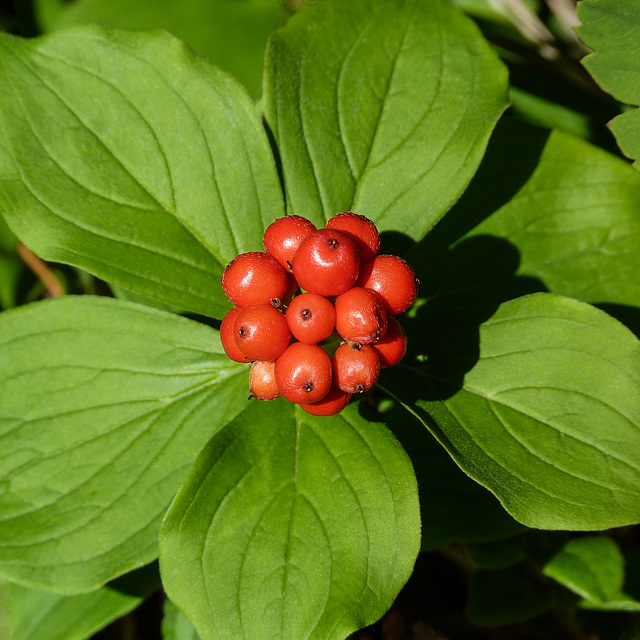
<point x="261" y="332"/>
<point x="262" y="380"/>
<point x="392" y="279"/>
<point x="283" y="237"/>
<point x="311" y="318"/>
<point x="303" y="373"/>
<point x="326" y="262"/>
<point x="361" y="230"/>
<point x="355" y="368"/>
<point x="255" y="278"/>
<point x="227" y="337"/>
<point x="393" y="345"/>
<point x="360" y="316"/>
<point x="334" y="402"/>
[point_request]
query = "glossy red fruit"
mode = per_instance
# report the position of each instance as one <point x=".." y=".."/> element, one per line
<point x="361" y="230"/>
<point x="255" y="278"/>
<point x="392" y="279"/>
<point x="334" y="402"/>
<point x="227" y="337"/>
<point x="262" y="380"/>
<point x="311" y="318"/>
<point x="326" y="262"/>
<point x="393" y="345"/>
<point x="292" y="289"/>
<point x="355" y="368"/>
<point x="283" y="237"/>
<point x="261" y="332"/>
<point x="303" y="373"/>
<point x="360" y="316"/>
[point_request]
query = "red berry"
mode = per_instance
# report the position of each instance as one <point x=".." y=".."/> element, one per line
<point x="360" y="316"/>
<point x="254" y="278"/>
<point x="326" y="262"/>
<point x="262" y="380"/>
<point x="361" y="230"/>
<point x="392" y="279"/>
<point x="292" y="289"/>
<point x="334" y="402"/>
<point x="261" y="332"/>
<point x="355" y="368"/>
<point x="283" y="236"/>
<point x="227" y="336"/>
<point x="311" y="318"/>
<point x="393" y="345"/>
<point x="303" y="373"/>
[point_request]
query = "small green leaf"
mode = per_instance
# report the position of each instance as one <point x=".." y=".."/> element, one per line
<point x="592" y="567"/>
<point x="175" y="625"/>
<point x="542" y="407"/>
<point x="505" y="597"/>
<point x="291" y="526"/>
<point x="133" y="158"/>
<point x="49" y="616"/>
<point x="230" y="33"/>
<point x="610" y="28"/>
<point x="381" y="106"/>
<point x="104" y="405"/>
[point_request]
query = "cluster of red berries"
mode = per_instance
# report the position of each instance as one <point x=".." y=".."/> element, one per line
<point x="318" y="347"/>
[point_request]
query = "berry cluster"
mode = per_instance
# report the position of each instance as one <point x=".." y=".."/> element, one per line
<point x="319" y="346"/>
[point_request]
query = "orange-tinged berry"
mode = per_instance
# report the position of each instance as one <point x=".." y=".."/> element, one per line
<point x="361" y="230"/>
<point x="227" y="337"/>
<point x="262" y="380"/>
<point x="283" y="237"/>
<point x="303" y="373"/>
<point x="393" y="345"/>
<point x="392" y="279"/>
<point x="261" y="332"/>
<point x="334" y="402"/>
<point x="355" y="368"/>
<point x="311" y="318"/>
<point x="360" y="316"/>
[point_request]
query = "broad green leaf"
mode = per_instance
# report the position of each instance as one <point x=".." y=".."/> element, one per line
<point x="505" y="597"/>
<point x="574" y="223"/>
<point x="230" y="33"/>
<point x="175" y="625"/>
<point x="50" y="616"/>
<point x="290" y="526"/>
<point x="541" y="404"/>
<point x="610" y="28"/>
<point x="497" y="554"/>
<point x="104" y="405"/>
<point x="454" y="508"/>
<point x="133" y="158"/>
<point x="381" y="106"/>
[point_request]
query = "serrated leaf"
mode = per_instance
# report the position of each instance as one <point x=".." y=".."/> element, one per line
<point x="542" y="407"/>
<point x="610" y="28"/>
<point x="381" y="106"/>
<point x="50" y="616"/>
<point x="230" y="33"/>
<point x="133" y="158"/>
<point x="104" y="405"/>
<point x="290" y="526"/>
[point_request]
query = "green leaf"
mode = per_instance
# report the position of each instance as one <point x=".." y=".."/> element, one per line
<point x="505" y="597"/>
<point x="175" y="625"/>
<point x="134" y="159"/>
<point x="610" y="28"/>
<point x="592" y="567"/>
<point x="104" y="405"/>
<point x="574" y="223"/>
<point x="381" y="106"/>
<point x="541" y="404"/>
<point x="497" y="554"/>
<point x="290" y="526"/>
<point x="49" y="616"/>
<point x="230" y="33"/>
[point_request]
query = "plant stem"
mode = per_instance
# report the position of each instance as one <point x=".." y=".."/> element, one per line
<point x="42" y="271"/>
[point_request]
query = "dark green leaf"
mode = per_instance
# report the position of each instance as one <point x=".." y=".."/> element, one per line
<point x="542" y="407"/>
<point x="104" y="405"/>
<point x="49" y="616"/>
<point x="381" y="106"/>
<point x="291" y="526"/>
<point x="133" y="158"/>
<point x="610" y="28"/>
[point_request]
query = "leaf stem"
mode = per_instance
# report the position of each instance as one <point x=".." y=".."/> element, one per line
<point x="42" y="271"/>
